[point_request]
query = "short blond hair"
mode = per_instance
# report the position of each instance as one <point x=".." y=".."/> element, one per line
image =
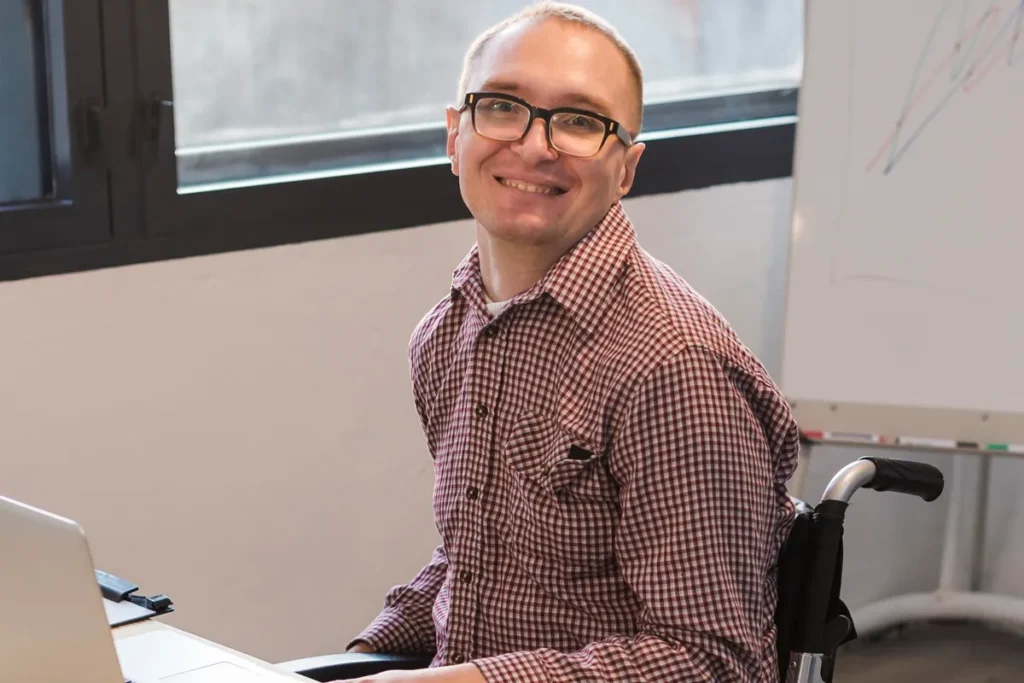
<point x="562" y="12"/>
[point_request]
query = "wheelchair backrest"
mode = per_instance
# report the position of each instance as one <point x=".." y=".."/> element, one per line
<point x="792" y="568"/>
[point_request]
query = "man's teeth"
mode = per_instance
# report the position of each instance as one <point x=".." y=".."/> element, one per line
<point x="527" y="187"/>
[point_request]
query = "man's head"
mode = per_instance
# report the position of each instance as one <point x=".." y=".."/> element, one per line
<point x="530" y="189"/>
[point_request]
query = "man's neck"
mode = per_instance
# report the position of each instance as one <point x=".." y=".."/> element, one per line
<point x="511" y="268"/>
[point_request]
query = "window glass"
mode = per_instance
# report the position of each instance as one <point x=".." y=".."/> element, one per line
<point x="24" y="163"/>
<point x="307" y="86"/>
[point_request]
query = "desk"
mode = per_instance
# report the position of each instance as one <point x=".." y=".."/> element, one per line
<point x="151" y="625"/>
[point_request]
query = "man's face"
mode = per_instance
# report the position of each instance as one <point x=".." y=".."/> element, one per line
<point x="550" y="64"/>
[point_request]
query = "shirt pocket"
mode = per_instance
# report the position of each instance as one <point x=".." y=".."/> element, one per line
<point x="563" y="502"/>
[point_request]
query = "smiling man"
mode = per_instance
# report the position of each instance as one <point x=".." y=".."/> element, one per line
<point x="610" y="461"/>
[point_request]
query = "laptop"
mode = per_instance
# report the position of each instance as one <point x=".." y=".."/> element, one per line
<point x="54" y="629"/>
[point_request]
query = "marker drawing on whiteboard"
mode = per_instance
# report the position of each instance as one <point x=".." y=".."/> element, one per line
<point x="977" y="49"/>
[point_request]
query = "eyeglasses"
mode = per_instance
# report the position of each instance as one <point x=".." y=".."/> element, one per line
<point x="576" y="132"/>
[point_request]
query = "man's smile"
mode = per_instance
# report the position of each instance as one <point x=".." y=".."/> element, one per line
<point x="535" y="187"/>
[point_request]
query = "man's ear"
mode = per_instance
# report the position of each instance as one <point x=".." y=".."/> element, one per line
<point x="629" y="164"/>
<point x="453" y="116"/>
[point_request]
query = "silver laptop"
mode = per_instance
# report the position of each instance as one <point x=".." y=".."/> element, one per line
<point x="54" y="629"/>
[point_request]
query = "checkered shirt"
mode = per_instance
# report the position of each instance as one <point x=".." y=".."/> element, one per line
<point x="610" y="471"/>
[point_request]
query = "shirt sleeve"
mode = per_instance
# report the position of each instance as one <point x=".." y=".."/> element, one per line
<point x="702" y="458"/>
<point x="406" y="624"/>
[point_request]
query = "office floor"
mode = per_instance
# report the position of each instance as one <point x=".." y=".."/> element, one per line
<point x="954" y="653"/>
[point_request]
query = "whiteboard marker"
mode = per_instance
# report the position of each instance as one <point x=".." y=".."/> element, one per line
<point x="926" y="442"/>
<point x="843" y="436"/>
<point x="1005" y="447"/>
<point x="853" y="436"/>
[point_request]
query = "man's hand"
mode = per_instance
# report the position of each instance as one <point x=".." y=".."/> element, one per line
<point x="463" y="673"/>
<point x="361" y="646"/>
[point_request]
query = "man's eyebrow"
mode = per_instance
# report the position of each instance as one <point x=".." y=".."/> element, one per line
<point x="570" y="99"/>
<point x="589" y="102"/>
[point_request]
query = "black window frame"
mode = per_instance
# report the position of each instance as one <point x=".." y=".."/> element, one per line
<point x="75" y="207"/>
<point x="148" y="219"/>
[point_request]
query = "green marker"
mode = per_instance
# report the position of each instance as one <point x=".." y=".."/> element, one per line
<point x="1005" y="447"/>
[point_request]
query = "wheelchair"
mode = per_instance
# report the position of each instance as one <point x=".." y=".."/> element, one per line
<point x="811" y="620"/>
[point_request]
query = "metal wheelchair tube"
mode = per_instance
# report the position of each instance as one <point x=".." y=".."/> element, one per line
<point x="805" y="668"/>
<point x="845" y="483"/>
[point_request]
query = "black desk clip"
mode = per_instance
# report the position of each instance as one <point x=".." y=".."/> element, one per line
<point x="116" y="589"/>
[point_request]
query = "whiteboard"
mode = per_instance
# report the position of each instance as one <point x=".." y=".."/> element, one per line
<point x="905" y="294"/>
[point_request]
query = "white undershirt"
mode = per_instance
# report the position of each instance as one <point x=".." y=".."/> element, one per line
<point x="494" y="308"/>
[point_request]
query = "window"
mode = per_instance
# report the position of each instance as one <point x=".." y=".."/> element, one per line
<point x="167" y="128"/>
<point x="51" y="193"/>
<point x="25" y="165"/>
<point x="263" y="91"/>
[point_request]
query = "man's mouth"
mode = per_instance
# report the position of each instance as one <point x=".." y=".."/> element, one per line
<point x="549" y="190"/>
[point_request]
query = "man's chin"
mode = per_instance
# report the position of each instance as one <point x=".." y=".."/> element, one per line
<point x="521" y="229"/>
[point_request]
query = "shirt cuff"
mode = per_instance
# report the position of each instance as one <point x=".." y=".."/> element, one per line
<point x="515" y="667"/>
<point x="390" y="633"/>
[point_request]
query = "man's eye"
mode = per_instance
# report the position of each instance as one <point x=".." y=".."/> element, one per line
<point x="584" y="123"/>
<point x="501" y="106"/>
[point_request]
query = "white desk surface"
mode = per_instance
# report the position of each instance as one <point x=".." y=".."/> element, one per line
<point x="150" y="625"/>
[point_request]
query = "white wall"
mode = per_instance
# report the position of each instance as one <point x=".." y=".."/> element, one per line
<point x="237" y="430"/>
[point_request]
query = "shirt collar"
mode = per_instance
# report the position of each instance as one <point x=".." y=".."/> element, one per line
<point x="580" y="281"/>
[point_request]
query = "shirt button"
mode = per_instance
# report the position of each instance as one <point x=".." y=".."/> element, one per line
<point x="491" y="332"/>
<point x="472" y="493"/>
<point x="481" y="409"/>
<point x="465" y="576"/>
<point x="458" y="658"/>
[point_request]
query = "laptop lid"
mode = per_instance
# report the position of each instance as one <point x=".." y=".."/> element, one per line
<point x="53" y="627"/>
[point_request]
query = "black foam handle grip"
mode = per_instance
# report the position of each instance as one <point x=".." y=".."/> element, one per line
<point x="906" y="476"/>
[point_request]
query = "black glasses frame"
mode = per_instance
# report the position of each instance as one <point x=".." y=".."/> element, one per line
<point x="611" y="126"/>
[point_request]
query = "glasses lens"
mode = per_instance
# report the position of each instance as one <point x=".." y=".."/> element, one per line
<point x="501" y="119"/>
<point x="577" y="134"/>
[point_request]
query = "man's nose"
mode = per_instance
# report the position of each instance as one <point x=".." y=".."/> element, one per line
<point x="534" y="144"/>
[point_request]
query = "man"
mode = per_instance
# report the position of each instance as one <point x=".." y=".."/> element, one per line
<point x="610" y="461"/>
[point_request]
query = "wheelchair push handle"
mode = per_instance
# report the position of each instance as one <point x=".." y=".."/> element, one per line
<point x="882" y="474"/>
<point x="820" y="631"/>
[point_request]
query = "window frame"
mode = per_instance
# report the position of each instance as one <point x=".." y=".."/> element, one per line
<point x="76" y="212"/>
